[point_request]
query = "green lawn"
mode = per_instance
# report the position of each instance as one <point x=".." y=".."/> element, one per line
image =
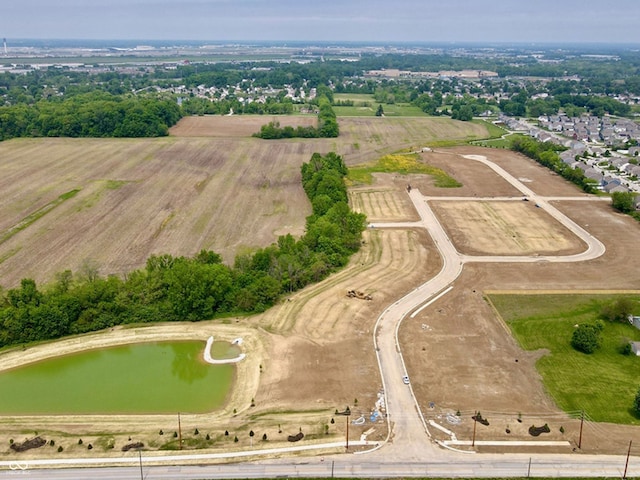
<point x="499" y="142"/>
<point x="365" y="105"/>
<point x="602" y="384"/>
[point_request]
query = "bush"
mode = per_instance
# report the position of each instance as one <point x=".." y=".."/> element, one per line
<point x="586" y="338"/>
<point x="636" y="403"/>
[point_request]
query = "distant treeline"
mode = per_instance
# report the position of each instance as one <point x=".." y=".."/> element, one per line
<point x="546" y="154"/>
<point x="327" y="126"/>
<point x="179" y="288"/>
<point x="96" y="114"/>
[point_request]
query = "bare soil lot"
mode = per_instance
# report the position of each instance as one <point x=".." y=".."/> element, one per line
<point x="504" y="228"/>
<point x="234" y="125"/>
<point x="465" y="356"/>
<point x="313" y="352"/>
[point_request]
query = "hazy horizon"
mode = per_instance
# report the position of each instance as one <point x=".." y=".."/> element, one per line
<point x="359" y="21"/>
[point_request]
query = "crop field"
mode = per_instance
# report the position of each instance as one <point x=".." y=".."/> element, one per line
<point x="115" y="202"/>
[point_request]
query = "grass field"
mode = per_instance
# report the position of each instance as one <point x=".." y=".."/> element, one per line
<point x="602" y="384"/>
<point x="403" y="164"/>
<point x="366" y="106"/>
<point x="499" y="142"/>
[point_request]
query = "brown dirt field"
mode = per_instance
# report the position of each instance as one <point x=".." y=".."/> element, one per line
<point x="146" y="197"/>
<point x="385" y="201"/>
<point x="316" y="346"/>
<point x="504" y="228"/>
<point x="174" y="195"/>
<point x="234" y="125"/>
<point x="473" y="175"/>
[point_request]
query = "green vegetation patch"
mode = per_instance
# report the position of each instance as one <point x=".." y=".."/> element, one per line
<point x="603" y="383"/>
<point x="403" y="164"/>
<point x="41" y="212"/>
<point x="506" y="142"/>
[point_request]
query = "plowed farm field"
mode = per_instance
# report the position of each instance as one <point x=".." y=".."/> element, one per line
<point x="115" y="202"/>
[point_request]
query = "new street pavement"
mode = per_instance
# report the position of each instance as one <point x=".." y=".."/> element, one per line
<point x="408" y="450"/>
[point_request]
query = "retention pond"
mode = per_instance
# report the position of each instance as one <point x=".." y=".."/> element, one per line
<point x="145" y="378"/>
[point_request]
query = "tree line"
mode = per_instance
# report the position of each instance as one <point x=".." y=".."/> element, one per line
<point x="200" y="287"/>
<point x="327" y="126"/>
<point x="546" y="154"/>
<point x="95" y="114"/>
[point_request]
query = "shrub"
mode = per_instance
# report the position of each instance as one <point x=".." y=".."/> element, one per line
<point x="636" y="403"/>
<point x="586" y="338"/>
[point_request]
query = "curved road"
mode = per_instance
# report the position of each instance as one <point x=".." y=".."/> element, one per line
<point x="408" y="430"/>
<point x="408" y="450"/>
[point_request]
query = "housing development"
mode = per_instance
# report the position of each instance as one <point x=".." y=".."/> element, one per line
<point x="265" y="260"/>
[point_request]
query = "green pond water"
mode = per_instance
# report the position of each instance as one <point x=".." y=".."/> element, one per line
<point x="163" y="377"/>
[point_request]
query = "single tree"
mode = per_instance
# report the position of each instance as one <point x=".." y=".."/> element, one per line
<point x="380" y="111"/>
<point x="586" y="338"/>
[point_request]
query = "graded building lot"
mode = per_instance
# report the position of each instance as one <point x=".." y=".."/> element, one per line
<point x="504" y="228"/>
<point x="313" y="351"/>
<point x="466" y="357"/>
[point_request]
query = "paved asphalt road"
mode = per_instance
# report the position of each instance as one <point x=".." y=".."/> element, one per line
<point x="409" y="450"/>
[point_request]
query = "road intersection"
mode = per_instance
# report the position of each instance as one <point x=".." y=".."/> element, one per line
<point x="408" y="449"/>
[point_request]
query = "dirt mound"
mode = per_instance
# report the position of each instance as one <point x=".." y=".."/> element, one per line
<point x="36" y="442"/>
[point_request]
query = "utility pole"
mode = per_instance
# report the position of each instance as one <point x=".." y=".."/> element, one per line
<point x="179" y="432"/>
<point x="626" y="465"/>
<point x="347" y="442"/>
<point x="347" y="415"/>
<point x="140" y="455"/>
<point x="475" y="422"/>
<point x="581" y="423"/>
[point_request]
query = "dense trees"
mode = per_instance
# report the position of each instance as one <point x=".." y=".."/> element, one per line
<point x="624" y="201"/>
<point x="327" y="126"/>
<point x="96" y="114"/>
<point x="202" y="287"/>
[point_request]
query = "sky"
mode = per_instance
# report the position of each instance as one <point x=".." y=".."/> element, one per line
<point x="503" y="21"/>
